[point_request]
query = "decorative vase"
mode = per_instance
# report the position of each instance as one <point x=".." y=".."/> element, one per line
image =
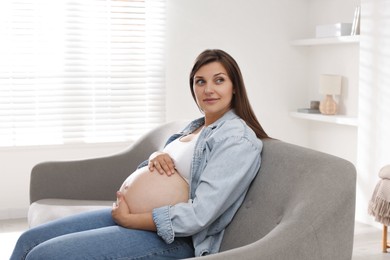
<point x="328" y="106"/>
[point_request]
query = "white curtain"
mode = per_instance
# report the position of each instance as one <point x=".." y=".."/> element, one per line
<point x="87" y="71"/>
<point x="374" y="100"/>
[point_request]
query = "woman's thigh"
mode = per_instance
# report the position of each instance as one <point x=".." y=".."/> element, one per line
<point x="112" y="242"/>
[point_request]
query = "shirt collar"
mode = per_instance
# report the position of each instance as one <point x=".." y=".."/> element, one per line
<point x="200" y="121"/>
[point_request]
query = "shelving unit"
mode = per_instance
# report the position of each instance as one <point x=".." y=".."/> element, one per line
<point x="326" y="41"/>
<point x="334" y="119"/>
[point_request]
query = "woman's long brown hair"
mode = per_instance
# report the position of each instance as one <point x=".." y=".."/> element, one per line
<point x="240" y="101"/>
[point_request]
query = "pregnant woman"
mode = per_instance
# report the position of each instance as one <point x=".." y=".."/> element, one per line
<point x="178" y="203"/>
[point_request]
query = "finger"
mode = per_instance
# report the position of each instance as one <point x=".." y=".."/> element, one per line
<point x="151" y="166"/>
<point x="119" y="197"/>
<point x="165" y="168"/>
<point x="159" y="168"/>
<point x="168" y="167"/>
<point x="115" y="205"/>
<point x="156" y="166"/>
<point x="171" y="166"/>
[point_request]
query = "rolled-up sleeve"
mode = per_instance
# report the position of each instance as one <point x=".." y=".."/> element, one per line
<point x="163" y="224"/>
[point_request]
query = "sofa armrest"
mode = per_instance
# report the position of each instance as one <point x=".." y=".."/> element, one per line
<point x="97" y="178"/>
<point x="88" y="179"/>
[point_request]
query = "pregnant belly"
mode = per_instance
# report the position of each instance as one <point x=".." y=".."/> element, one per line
<point x="145" y="190"/>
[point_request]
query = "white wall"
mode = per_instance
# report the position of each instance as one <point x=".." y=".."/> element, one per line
<point x="257" y="35"/>
<point x="374" y="101"/>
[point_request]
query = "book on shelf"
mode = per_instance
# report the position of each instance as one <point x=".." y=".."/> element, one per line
<point x="356" y="21"/>
<point x="308" y="110"/>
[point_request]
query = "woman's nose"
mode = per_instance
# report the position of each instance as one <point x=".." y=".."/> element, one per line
<point x="209" y="88"/>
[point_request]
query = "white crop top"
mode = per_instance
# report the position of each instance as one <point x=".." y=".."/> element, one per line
<point x="181" y="154"/>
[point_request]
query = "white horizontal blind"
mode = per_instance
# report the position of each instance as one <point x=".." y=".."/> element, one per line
<point x="87" y="71"/>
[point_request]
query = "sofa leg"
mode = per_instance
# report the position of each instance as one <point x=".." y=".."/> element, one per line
<point x="384" y="239"/>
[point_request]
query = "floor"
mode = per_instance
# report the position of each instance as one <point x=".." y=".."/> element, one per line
<point x="367" y="241"/>
<point x="9" y="233"/>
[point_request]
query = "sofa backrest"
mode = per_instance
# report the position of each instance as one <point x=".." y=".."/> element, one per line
<point x="297" y="191"/>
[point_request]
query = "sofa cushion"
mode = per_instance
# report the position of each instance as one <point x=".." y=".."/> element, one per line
<point x="46" y="210"/>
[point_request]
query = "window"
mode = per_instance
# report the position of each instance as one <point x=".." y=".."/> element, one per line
<point x="86" y="71"/>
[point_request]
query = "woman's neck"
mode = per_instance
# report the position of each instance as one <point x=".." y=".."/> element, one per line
<point x="210" y="118"/>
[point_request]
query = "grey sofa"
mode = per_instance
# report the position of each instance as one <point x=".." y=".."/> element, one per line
<point x="300" y="206"/>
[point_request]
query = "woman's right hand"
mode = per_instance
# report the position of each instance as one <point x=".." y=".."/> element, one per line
<point x="162" y="162"/>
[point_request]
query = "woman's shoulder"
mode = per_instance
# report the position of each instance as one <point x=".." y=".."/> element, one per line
<point x="236" y="128"/>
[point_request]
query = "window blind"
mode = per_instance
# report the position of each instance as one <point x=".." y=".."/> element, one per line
<point x="88" y="71"/>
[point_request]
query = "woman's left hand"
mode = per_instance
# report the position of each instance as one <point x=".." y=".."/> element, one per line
<point x="120" y="210"/>
<point x="122" y="216"/>
<point x="162" y="162"/>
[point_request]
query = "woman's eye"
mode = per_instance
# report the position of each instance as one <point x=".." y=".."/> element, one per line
<point x="200" y="82"/>
<point x="219" y="80"/>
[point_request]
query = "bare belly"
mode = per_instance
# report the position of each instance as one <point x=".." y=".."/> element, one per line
<point x="145" y="190"/>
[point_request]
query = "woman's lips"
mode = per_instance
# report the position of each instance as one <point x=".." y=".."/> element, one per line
<point x="210" y="100"/>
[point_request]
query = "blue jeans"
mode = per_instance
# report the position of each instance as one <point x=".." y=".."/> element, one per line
<point x="94" y="235"/>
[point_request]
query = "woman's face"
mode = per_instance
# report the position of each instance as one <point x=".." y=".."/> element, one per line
<point x="213" y="90"/>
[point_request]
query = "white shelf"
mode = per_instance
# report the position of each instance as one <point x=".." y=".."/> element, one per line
<point x="326" y="41"/>
<point x="334" y="119"/>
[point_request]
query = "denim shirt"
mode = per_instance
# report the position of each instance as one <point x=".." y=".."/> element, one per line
<point x="226" y="159"/>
